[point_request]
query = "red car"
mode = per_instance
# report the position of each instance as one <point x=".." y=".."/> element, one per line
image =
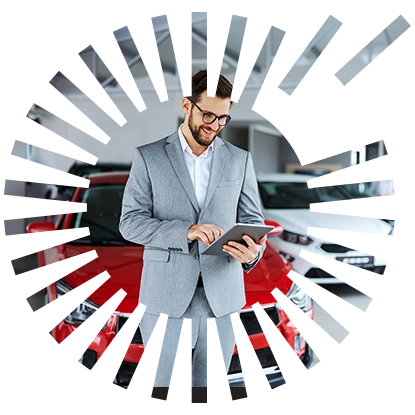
<point x="124" y="260"/>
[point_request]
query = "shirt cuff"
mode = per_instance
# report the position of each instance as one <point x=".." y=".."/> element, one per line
<point x="188" y="240"/>
<point x="251" y="262"/>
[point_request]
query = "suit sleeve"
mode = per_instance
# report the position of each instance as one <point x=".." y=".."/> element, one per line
<point x="249" y="206"/>
<point x="137" y="223"/>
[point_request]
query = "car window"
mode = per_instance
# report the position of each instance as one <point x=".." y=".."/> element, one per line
<point x="67" y="192"/>
<point x="102" y="216"/>
<point x="296" y="195"/>
<point x="358" y="190"/>
<point x="83" y="170"/>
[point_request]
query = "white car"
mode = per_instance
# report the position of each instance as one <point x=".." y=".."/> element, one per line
<point x="286" y="199"/>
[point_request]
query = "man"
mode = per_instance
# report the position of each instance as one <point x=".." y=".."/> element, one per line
<point x="182" y="193"/>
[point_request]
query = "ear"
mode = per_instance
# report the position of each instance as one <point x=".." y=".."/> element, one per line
<point x="186" y="105"/>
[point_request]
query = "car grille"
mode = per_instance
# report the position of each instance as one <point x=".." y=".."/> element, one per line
<point x="318" y="273"/>
<point x="322" y="273"/>
<point x="265" y="357"/>
<point x="89" y="358"/>
<point x="251" y="323"/>
<point x="335" y="249"/>
<point x="137" y="339"/>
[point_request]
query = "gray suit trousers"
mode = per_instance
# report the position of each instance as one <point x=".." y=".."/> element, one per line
<point x="199" y="311"/>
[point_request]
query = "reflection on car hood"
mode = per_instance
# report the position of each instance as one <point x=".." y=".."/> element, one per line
<point x="298" y="220"/>
<point x="123" y="264"/>
<point x="110" y="260"/>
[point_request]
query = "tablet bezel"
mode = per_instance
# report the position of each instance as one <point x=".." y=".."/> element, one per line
<point x="215" y="248"/>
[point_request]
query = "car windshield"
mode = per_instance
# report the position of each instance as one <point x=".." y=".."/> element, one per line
<point x="102" y="216"/>
<point x="86" y="170"/>
<point x="357" y="190"/>
<point x="296" y="195"/>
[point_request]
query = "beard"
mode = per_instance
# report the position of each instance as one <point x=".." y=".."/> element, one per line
<point x="197" y="132"/>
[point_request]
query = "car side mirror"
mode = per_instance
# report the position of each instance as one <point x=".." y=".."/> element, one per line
<point x="277" y="227"/>
<point x="40" y="227"/>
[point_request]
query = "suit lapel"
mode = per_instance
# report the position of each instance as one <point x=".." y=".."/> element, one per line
<point x="218" y="162"/>
<point x="175" y="153"/>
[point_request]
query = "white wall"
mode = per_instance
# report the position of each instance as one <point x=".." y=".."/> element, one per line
<point x="265" y="151"/>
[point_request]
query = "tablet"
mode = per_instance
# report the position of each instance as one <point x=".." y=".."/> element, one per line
<point x="256" y="232"/>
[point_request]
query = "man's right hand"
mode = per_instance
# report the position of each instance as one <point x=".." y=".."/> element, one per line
<point x="206" y="233"/>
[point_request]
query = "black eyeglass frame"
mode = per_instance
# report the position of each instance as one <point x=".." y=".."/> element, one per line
<point x="227" y="117"/>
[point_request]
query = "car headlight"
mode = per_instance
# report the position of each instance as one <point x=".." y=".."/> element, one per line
<point x="287" y="256"/>
<point x="299" y="298"/>
<point x="295" y="238"/>
<point x="391" y="223"/>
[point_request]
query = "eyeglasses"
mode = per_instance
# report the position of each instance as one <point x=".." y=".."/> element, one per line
<point x="209" y="117"/>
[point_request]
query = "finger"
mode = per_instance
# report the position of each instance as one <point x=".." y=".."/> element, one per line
<point x="241" y="247"/>
<point x="202" y="237"/>
<point x="209" y="234"/>
<point x="250" y="252"/>
<point x="262" y="240"/>
<point x="249" y="241"/>
<point x="215" y="232"/>
<point x="209" y="231"/>
<point x="232" y="251"/>
<point x="215" y="228"/>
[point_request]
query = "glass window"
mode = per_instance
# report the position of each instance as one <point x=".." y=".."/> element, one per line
<point x="102" y="216"/>
<point x="296" y="195"/>
<point x="81" y="170"/>
<point x="372" y="151"/>
<point x="358" y="190"/>
<point x="87" y="170"/>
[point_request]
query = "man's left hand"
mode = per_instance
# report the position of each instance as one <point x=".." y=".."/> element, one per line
<point x="242" y="253"/>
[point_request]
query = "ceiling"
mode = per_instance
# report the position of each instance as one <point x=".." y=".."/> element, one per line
<point x="234" y="42"/>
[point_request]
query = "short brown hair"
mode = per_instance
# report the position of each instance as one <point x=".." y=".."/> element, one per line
<point x="199" y="85"/>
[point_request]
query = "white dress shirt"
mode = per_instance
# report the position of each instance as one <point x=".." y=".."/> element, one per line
<point x="199" y="169"/>
<point x="198" y="166"/>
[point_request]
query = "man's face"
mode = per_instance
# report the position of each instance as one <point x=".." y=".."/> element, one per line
<point x="203" y="133"/>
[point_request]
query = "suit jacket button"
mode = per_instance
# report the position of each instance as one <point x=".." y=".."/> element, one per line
<point x="197" y="256"/>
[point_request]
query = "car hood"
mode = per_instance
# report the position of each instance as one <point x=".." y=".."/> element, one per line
<point x="119" y="263"/>
<point x="298" y="220"/>
<point x="124" y="265"/>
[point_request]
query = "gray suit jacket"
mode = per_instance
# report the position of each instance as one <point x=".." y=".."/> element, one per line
<point x="159" y="205"/>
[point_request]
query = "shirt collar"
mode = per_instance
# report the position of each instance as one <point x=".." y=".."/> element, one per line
<point x="185" y="146"/>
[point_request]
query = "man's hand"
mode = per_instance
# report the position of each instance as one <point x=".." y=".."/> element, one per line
<point x="242" y="253"/>
<point x="206" y="233"/>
